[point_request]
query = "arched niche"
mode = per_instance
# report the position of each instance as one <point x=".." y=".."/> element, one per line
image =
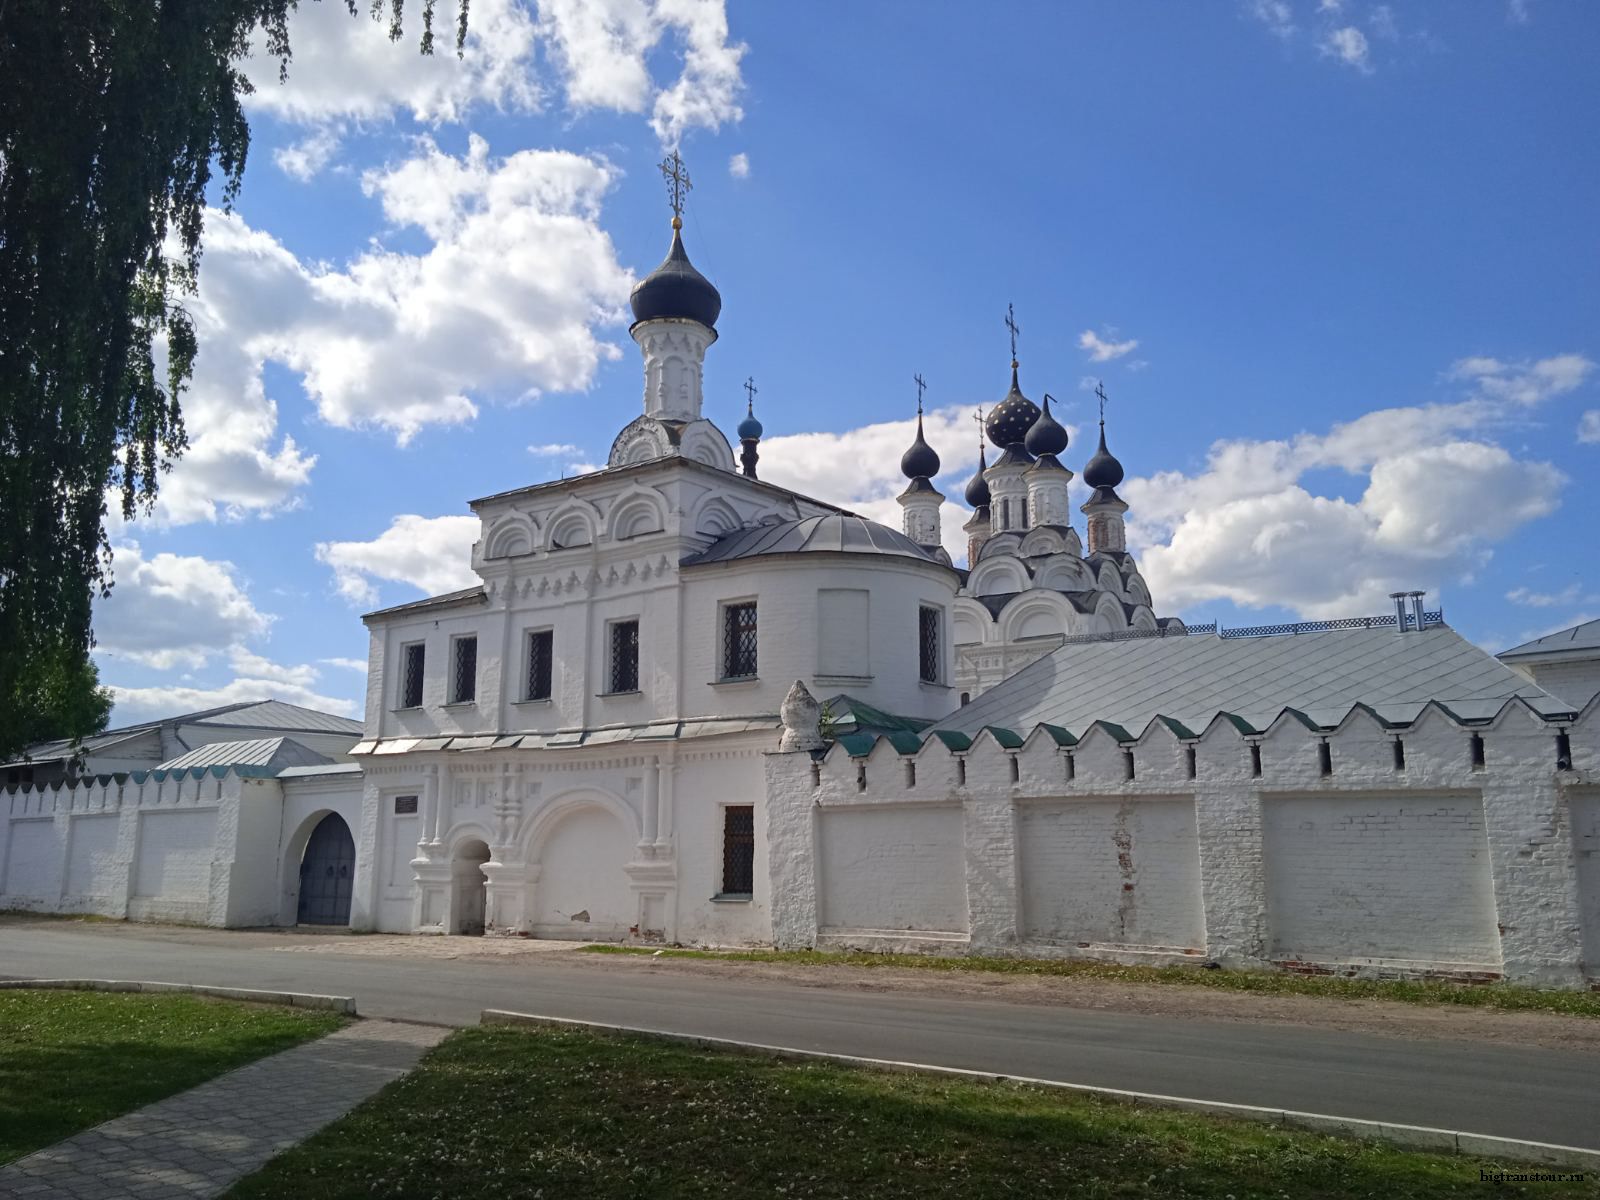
<point x="716" y="518"/>
<point x="635" y="514"/>
<point x="511" y="536"/>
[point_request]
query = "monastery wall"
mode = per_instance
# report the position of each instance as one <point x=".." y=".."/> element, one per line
<point x="1305" y="850"/>
<point x="207" y="846"/>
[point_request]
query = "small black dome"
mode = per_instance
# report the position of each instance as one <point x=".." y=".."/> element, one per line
<point x="921" y="461"/>
<point x="1011" y="419"/>
<point x="1103" y="470"/>
<point x="676" y="289"/>
<point x="1047" y="435"/>
<point x="978" y="487"/>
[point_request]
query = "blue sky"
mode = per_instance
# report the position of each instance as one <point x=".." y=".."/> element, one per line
<point x="1335" y="262"/>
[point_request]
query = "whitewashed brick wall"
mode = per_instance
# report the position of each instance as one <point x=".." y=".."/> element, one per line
<point x="894" y="869"/>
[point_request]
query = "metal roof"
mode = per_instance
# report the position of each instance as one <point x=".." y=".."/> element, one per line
<point x="272" y="753"/>
<point x="837" y="533"/>
<point x="475" y="594"/>
<point x="1566" y="641"/>
<point x="1193" y="678"/>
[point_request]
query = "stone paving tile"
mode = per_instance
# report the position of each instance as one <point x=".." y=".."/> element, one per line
<point x="198" y="1143"/>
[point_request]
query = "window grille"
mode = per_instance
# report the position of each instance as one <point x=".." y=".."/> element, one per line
<point x="625" y="656"/>
<point x="739" y="640"/>
<point x="411" y="681"/>
<point x="541" y="645"/>
<point x="464" y="671"/>
<point x="928" y="644"/>
<point x="738" y="849"/>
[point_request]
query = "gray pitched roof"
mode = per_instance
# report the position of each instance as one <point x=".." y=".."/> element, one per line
<point x="471" y="595"/>
<point x="835" y="532"/>
<point x="271" y="753"/>
<point x="1566" y="641"/>
<point x="1191" y="678"/>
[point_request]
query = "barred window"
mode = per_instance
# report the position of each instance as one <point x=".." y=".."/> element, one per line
<point x="411" y="677"/>
<point x="739" y="640"/>
<point x="738" y="849"/>
<point x="464" y="670"/>
<point x="625" y="656"/>
<point x="541" y="644"/>
<point x="928" y="644"/>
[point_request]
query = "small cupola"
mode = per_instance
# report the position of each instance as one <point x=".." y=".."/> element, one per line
<point x="978" y="487"/>
<point x="1046" y="435"/>
<point x="1103" y="470"/>
<point x="675" y="289"/>
<point x="922" y="460"/>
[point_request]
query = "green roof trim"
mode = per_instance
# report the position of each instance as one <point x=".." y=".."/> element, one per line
<point x="1063" y="737"/>
<point x="904" y="741"/>
<point x="1302" y="718"/>
<point x="1238" y="723"/>
<point x="846" y="709"/>
<point x="1178" y="727"/>
<point x="1007" y="739"/>
<point x="958" y="742"/>
<point x="1116" y="731"/>
<point x="857" y="745"/>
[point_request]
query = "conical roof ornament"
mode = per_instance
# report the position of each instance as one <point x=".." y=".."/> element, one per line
<point x="1047" y="435"/>
<point x="921" y="461"/>
<point x="1103" y="470"/>
<point x="675" y="288"/>
<point x="977" y="492"/>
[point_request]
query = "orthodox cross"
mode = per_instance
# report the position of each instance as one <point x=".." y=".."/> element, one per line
<point x="1100" y="390"/>
<point x="922" y="385"/>
<point x="678" y="185"/>
<point x="750" y="394"/>
<point x="979" y="419"/>
<point x="1011" y="324"/>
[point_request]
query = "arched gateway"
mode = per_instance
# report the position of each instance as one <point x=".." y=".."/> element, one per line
<point x="327" y="873"/>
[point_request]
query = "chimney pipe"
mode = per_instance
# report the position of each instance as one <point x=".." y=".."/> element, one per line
<point x="1399" y="599"/>
<point x="1416" y="607"/>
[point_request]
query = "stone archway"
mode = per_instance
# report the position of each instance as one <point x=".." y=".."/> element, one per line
<point x="582" y="888"/>
<point x="468" y="894"/>
<point x="327" y="874"/>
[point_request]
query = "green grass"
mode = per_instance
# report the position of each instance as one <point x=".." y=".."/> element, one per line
<point x="70" y="1060"/>
<point x="1507" y="996"/>
<point x="570" y="1114"/>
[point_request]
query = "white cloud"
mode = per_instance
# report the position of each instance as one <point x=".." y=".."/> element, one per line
<point x="346" y="68"/>
<point x="1103" y="349"/>
<point x="1571" y="594"/>
<point x="1276" y="15"/>
<point x="304" y="160"/>
<point x="433" y="554"/>
<point x="173" y="610"/>
<point x="554" y="450"/>
<point x="1525" y="382"/>
<point x="1330" y="6"/>
<point x="739" y="166"/>
<point x="706" y="94"/>
<point x="145" y="703"/>
<point x="1349" y="46"/>
<point x="349" y="664"/>
<point x="1589" y="427"/>
<point x="1384" y="24"/>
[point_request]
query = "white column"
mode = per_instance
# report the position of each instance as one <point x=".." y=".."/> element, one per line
<point x="652" y="803"/>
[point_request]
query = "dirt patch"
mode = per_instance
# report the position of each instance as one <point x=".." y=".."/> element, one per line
<point x="1386" y="1018"/>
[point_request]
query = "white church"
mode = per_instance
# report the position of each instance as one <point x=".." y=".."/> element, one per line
<point x="684" y="704"/>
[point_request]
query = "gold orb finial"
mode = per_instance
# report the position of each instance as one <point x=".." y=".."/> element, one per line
<point x="677" y="222"/>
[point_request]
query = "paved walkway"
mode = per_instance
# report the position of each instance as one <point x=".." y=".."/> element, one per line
<point x="199" y="1142"/>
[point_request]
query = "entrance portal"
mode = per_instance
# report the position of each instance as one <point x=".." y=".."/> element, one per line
<point x="469" y="887"/>
<point x="327" y="874"/>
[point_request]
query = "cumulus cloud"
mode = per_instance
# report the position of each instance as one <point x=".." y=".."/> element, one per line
<point x="1246" y="528"/>
<point x="134" y="704"/>
<point x="739" y="166"/>
<point x="304" y="160"/>
<point x="1571" y="594"/>
<point x="433" y="554"/>
<point x="555" y="450"/>
<point x="1276" y="15"/>
<point x="171" y="610"/>
<point x="1105" y="349"/>
<point x="1589" y="427"/>
<point x="1349" y="45"/>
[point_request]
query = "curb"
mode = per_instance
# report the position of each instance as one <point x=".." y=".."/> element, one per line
<point x="341" y="1004"/>
<point x="1416" y="1137"/>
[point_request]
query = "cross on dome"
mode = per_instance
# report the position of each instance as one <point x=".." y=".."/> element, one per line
<point x="678" y="185"/>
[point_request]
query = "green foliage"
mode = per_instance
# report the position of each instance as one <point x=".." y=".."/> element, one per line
<point x="501" y="1113"/>
<point x="1506" y="996"/>
<point x="70" y="1060"/>
<point x="64" y="697"/>
<point x="112" y="116"/>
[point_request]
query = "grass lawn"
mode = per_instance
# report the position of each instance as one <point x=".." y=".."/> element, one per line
<point x="70" y="1060"/>
<point x="573" y="1115"/>
<point x="1508" y="996"/>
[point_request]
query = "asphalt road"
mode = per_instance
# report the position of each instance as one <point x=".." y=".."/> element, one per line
<point x="1509" y="1091"/>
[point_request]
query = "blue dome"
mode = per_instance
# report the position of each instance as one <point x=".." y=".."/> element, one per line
<point x="1103" y="470"/>
<point x="750" y="429"/>
<point x="922" y="460"/>
<point x="676" y="289"/>
<point x="1009" y="422"/>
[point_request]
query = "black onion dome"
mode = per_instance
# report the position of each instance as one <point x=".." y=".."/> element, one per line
<point x="978" y="487"/>
<point x="1103" y="470"/>
<point x="1011" y="419"/>
<point x="676" y="289"/>
<point x="921" y="461"/>
<point x="1047" y="435"/>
